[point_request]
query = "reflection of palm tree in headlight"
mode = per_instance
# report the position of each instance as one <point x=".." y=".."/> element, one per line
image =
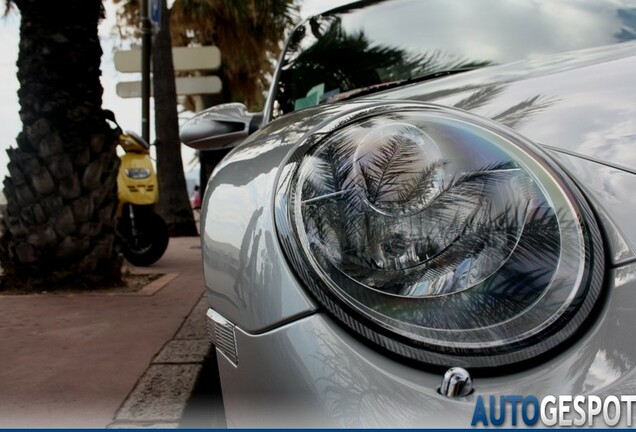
<point x="442" y="228"/>
<point x="412" y="228"/>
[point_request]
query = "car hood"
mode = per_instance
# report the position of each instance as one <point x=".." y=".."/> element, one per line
<point x="579" y="102"/>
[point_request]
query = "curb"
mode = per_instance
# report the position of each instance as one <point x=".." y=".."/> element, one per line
<point x="160" y="396"/>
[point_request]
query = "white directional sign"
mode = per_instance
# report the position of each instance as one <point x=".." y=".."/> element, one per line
<point x="183" y="59"/>
<point x="185" y="86"/>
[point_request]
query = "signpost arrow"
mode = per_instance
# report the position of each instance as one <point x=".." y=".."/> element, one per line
<point x="183" y="59"/>
<point x="185" y="86"/>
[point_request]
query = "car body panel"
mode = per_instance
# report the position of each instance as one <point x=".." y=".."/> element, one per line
<point x="325" y="377"/>
<point x="246" y="274"/>
<point x="242" y="260"/>
<point x="611" y="192"/>
<point x="579" y="102"/>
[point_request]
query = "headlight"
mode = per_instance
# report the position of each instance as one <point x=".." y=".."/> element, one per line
<point x="440" y="236"/>
<point x="137" y="173"/>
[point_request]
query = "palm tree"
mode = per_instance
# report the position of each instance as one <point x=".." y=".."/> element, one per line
<point x="58" y="226"/>
<point x="174" y="204"/>
<point x="249" y="34"/>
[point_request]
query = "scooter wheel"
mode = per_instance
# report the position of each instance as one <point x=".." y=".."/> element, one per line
<point x="150" y="243"/>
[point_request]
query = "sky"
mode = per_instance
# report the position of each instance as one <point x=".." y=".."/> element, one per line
<point x="127" y="111"/>
<point x="9" y="119"/>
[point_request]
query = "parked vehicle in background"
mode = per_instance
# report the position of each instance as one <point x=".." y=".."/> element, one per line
<point x="432" y="185"/>
<point x="144" y="233"/>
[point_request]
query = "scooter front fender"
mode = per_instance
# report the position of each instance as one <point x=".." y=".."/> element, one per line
<point x="137" y="191"/>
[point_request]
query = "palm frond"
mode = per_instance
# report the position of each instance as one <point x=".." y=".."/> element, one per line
<point x="388" y="168"/>
<point x="513" y="116"/>
<point x="479" y="98"/>
<point x="420" y="187"/>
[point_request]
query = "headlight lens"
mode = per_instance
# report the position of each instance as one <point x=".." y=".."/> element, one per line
<point x="138" y="173"/>
<point x="440" y="236"/>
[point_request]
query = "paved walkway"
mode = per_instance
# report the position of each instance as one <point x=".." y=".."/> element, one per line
<point x="98" y="360"/>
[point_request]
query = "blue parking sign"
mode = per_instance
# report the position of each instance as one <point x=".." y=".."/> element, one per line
<point x="154" y="12"/>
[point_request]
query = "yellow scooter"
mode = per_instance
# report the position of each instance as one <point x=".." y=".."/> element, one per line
<point x="144" y="233"/>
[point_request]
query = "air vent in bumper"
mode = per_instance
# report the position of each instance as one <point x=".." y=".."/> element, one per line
<point x="222" y="335"/>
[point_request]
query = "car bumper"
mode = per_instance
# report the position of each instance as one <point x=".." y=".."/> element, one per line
<point x="310" y="372"/>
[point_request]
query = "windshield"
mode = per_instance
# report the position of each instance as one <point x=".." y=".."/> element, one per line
<point x="375" y="42"/>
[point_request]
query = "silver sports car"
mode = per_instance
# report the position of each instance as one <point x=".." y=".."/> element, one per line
<point x="435" y="210"/>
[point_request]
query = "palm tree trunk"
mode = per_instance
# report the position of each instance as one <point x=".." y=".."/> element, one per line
<point x="174" y="204"/>
<point x="58" y="226"/>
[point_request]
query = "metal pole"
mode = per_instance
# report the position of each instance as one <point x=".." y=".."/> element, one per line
<point x="146" y="42"/>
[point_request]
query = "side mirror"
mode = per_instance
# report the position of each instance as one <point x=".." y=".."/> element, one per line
<point x="220" y="127"/>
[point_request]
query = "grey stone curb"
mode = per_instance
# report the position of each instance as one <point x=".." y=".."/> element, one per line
<point x="159" y="397"/>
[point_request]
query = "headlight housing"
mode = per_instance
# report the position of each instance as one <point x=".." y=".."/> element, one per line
<point x="137" y="173"/>
<point x="439" y="235"/>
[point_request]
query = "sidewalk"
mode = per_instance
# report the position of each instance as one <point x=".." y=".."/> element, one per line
<point x="98" y="360"/>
